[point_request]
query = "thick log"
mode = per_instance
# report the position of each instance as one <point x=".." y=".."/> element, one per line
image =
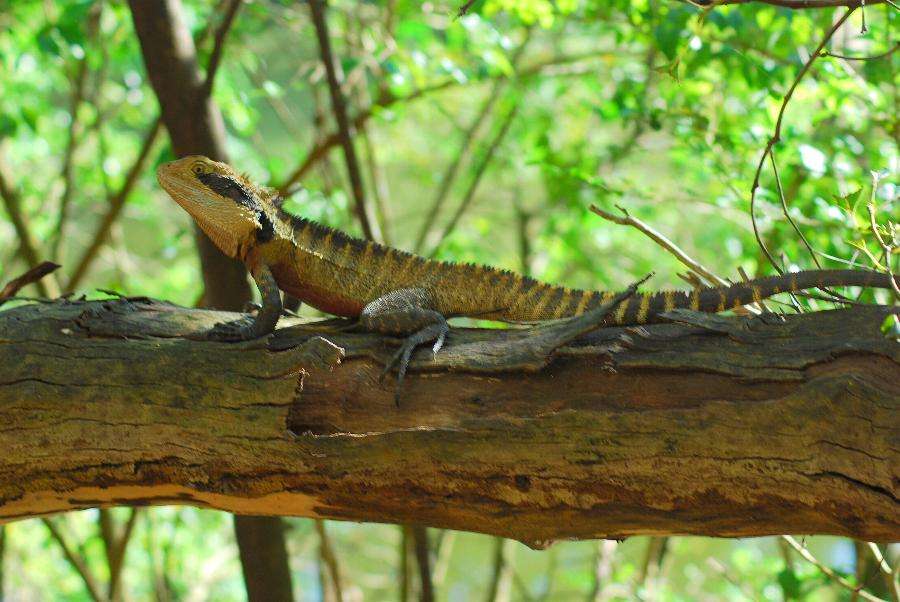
<point x="714" y="426"/>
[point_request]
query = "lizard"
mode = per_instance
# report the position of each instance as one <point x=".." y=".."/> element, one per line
<point x="396" y="293"/>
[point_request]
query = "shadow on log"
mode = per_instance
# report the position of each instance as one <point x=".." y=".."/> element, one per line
<point x="712" y="425"/>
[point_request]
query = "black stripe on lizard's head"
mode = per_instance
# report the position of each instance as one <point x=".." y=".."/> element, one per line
<point x="230" y="188"/>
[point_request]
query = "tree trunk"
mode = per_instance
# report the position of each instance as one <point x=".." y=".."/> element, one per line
<point x="711" y="426"/>
<point x="196" y="127"/>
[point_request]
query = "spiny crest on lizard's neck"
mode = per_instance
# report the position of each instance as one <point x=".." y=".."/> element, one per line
<point x="233" y="211"/>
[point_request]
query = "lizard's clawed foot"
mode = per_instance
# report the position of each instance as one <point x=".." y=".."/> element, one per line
<point x="242" y="329"/>
<point x="433" y="332"/>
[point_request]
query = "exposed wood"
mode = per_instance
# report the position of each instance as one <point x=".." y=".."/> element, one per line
<point x="730" y="426"/>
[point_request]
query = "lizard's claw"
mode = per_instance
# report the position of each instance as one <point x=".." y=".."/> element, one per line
<point x="242" y="329"/>
<point x="433" y="332"/>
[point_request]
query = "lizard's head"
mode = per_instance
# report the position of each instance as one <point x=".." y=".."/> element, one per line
<point x="229" y="208"/>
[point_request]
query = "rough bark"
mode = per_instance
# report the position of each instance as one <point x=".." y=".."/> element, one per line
<point x="726" y="427"/>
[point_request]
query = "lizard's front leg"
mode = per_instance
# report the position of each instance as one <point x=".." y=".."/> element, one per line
<point x="248" y="327"/>
<point x="406" y="312"/>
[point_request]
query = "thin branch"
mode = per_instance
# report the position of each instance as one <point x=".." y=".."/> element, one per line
<point x="117" y="202"/>
<point x="321" y="148"/>
<point x="806" y="555"/>
<point x="886" y="250"/>
<point x="787" y="215"/>
<point x="326" y="553"/>
<point x="215" y="56"/>
<point x="115" y="206"/>
<point x="468" y="140"/>
<point x="33" y="275"/>
<point x="873" y="57"/>
<point x="423" y="562"/>
<point x="501" y="574"/>
<point x="464" y="9"/>
<point x="12" y="202"/>
<point x="116" y="546"/>
<point x="338" y="105"/>
<point x="74" y="133"/>
<point x="795" y="4"/>
<point x="660" y="239"/>
<point x="776" y="135"/>
<point x="479" y="170"/>
<point x="75" y="560"/>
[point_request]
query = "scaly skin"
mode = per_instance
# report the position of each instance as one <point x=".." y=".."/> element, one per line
<point x="395" y="292"/>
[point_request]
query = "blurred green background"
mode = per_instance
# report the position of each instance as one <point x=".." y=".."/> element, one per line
<point x="484" y="138"/>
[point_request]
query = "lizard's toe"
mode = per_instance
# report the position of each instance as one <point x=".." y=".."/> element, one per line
<point x="241" y="329"/>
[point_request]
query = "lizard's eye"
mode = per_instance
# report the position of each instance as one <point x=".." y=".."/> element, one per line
<point x="198" y="169"/>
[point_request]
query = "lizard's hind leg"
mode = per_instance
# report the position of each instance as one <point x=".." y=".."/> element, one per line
<point x="406" y="312"/>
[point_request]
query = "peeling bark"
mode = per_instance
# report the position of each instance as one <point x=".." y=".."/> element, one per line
<point x="713" y="425"/>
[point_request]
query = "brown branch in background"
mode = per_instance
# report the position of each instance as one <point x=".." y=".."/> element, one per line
<point x="806" y="555"/>
<point x="28" y="245"/>
<point x="117" y="202"/>
<point x="92" y="27"/>
<point x="423" y="562"/>
<point x="603" y="570"/>
<point x="215" y="57"/>
<point x="380" y="191"/>
<point x="75" y="560"/>
<point x="445" y="543"/>
<point x="464" y="9"/>
<point x="33" y="275"/>
<point x="321" y="148"/>
<point x="776" y="135"/>
<point x="501" y="573"/>
<point x="873" y="57"/>
<point x="326" y="553"/>
<point x="627" y="220"/>
<point x="405" y="581"/>
<point x="339" y="108"/>
<point x="795" y="4"/>
<point x="115" y="544"/>
<point x="115" y="205"/>
<point x="480" y="168"/>
<point x="787" y="215"/>
<point x="462" y="153"/>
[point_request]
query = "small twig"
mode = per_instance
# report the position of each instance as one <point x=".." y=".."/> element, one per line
<point x="75" y="560"/>
<point x="423" y="562"/>
<point x="33" y="275"/>
<point x="464" y="9"/>
<point x="873" y="57"/>
<point x="28" y="245"/>
<point x="776" y="135"/>
<point x="339" y="107"/>
<point x="321" y="148"/>
<point x="215" y="57"/>
<point x="115" y="205"/>
<point x="501" y="575"/>
<point x="326" y="553"/>
<point x="74" y="133"/>
<point x="479" y="170"/>
<point x="887" y="250"/>
<point x="468" y="138"/>
<point x="806" y="555"/>
<point x="627" y="220"/>
<point x="784" y="210"/>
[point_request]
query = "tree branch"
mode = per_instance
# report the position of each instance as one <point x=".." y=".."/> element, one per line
<point x="715" y="425"/>
<point x="339" y="108"/>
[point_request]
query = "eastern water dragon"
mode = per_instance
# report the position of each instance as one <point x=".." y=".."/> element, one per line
<point x="397" y="293"/>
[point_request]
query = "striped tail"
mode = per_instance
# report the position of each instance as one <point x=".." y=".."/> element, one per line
<point x="643" y="309"/>
<point x="557" y="302"/>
